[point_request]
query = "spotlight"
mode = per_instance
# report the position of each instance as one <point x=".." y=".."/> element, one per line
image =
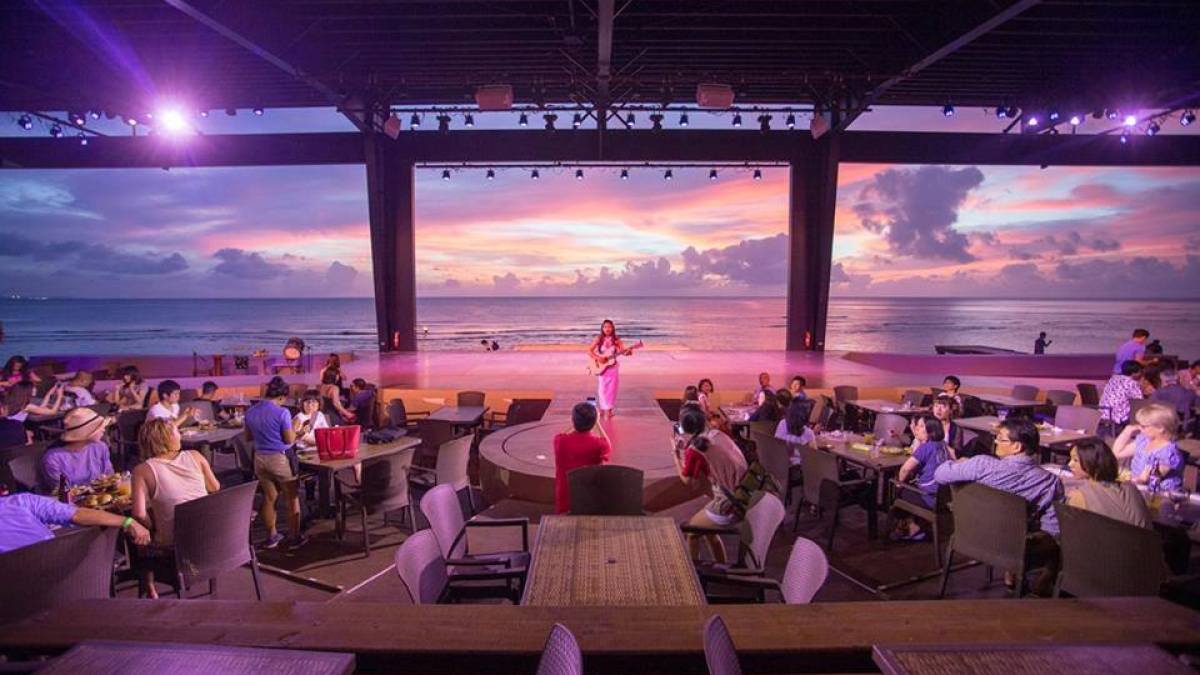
<point x="259" y="111"/>
<point x="737" y="120"/>
<point x="1053" y="115"/>
<point x="204" y="113"/>
<point x="414" y="121"/>
<point x="578" y="174"/>
<point x="1001" y="112"/>
<point x="630" y="119"/>
<point x="1130" y="120"/>
<point x="1125" y="136"/>
<point x="683" y="120"/>
<point x="443" y="123"/>
<point x="131" y="121"/>
<point x="445" y="174"/>
<point x="758" y="174"/>
<point x="535" y="175"/>
<point x="25" y="122"/>
<point x="712" y="174"/>
<point x="1076" y="120"/>
<point x="1032" y="120"/>
<point x="172" y="121"/>
<point x="1153" y="129"/>
<point x="95" y="114"/>
<point x="668" y="175"/>
<point x="232" y="112"/>
<point x="77" y="118"/>
<point x="491" y="174"/>
<point x="83" y="139"/>
<point x="624" y="174"/>
<point x="1112" y="113"/>
<point x="764" y="123"/>
<point x="470" y="121"/>
<point x="948" y="110"/>
<point x="523" y="120"/>
<point x="791" y="121"/>
<point x="656" y="122"/>
<point x="549" y="118"/>
<point x="576" y="120"/>
<point x="56" y="130"/>
<point x="1187" y="118"/>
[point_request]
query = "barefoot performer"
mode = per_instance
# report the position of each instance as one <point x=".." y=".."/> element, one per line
<point x="604" y="352"/>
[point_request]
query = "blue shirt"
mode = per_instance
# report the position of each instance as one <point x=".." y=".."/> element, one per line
<point x="267" y="422"/>
<point x="1016" y="474"/>
<point x="24" y="518"/>
<point x="1130" y="351"/>
<point x="1167" y="456"/>
<point x="930" y="455"/>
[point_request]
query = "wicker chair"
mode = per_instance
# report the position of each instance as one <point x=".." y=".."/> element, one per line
<point x="1025" y="392"/>
<point x="444" y="513"/>
<point x="1077" y="417"/>
<point x="761" y="523"/>
<point x="806" y="571"/>
<point x="841" y="395"/>
<point x="605" y="490"/>
<point x="561" y="655"/>
<point x="890" y="427"/>
<point x="825" y="489"/>
<point x="1089" y="394"/>
<point x="1131" y="564"/>
<point x="913" y="397"/>
<point x="470" y="399"/>
<point x="74" y="566"/>
<point x="1059" y="397"/>
<point x="212" y="536"/>
<point x="422" y="569"/>
<point x="382" y="488"/>
<point x="450" y="469"/>
<point x="775" y="456"/>
<point x="719" y="651"/>
<point x="20" y="469"/>
<point x="989" y="526"/>
<point x="935" y="515"/>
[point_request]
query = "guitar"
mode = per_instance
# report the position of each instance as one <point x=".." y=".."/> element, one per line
<point x="600" y="366"/>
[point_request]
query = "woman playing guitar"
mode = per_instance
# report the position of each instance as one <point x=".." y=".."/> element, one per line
<point x="605" y="349"/>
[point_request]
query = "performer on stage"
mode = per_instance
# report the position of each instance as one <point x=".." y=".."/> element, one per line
<point x="606" y="345"/>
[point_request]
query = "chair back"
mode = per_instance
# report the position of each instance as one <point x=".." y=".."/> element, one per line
<point x="773" y="455"/>
<point x="74" y="566"/>
<point x="1136" y="404"/>
<point x="1132" y="562"/>
<point x="525" y="410"/>
<point x="383" y="485"/>
<point x="452" y="459"/>
<point x="762" y="520"/>
<point x="397" y="414"/>
<point x="845" y="392"/>
<point x="364" y="413"/>
<point x="990" y="525"/>
<point x="212" y="533"/>
<point x="889" y="426"/>
<point x="444" y="513"/>
<point x="671" y="407"/>
<point x="718" y="648"/>
<point x="421" y="568"/>
<point x="204" y="410"/>
<point x="971" y="406"/>
<point x="561" y="655"/>
<point x="1077" y="417"/>
<point x="605" y="490"/>
<point x="1089" y="395"/>
<point x="434" y="433"/>
<point x="819" y="466"/>
<point x="1060" y="397"/>
<point x="128" y="424"/>
<point x="297" y="391"/>
<point x="1025" y="392"/>
<point x="807" y="568"/>
<point x="20" y="466"/>
<point x="187" y="395"/>
<point x="824" y="416"/>
<point x="470" y="398"/>
<point x="913" y="397"/>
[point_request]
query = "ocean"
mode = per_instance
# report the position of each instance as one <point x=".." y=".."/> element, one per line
<point x="910" y="325"/>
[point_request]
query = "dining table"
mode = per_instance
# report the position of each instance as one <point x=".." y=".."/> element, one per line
<point x="627" y="561"/>
<point x="1049" y="435"/>
<point x="461" y="417"/>
<point x="1002" y="401"/>
<point x="879" y="465"/>
<point x="325" y="468"/>
<point x="882" y="407"/>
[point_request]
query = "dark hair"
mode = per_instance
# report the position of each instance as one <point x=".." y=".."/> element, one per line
<point x="797" y="415"/>
<point x="1097" y="460"/>
<point x="330" y="377"/>
<point x="600" y="337"/>
<point x="310" y="395"/>
<point x="1042" y="334"/>
<point x="583" y="417"/>
<point x="691" y="393"/>
<point x="953" y="380"/>
<point x="334" y="360"/>
<point x="692" y="421"/>
<point x="700" y="384"/>
<point x="933" y="428"/>
<point x="769" y="410"/>
<point x="132" y="372"/>
<point x="166" y="388"/>
<point x="800" y="378"/>
<point x="208" y="387"/>
<point x="1140" y="332"/>
<point x="11" y="364"/>
<point x="359" y="382"/>
<point x="277" y="388"/>
<point x="19" y="395"/>
<point x="1130" y="368"/>
<point x="1024" y="433"/>
<point x="950" y="402"/>
<point x="783" y="398"/>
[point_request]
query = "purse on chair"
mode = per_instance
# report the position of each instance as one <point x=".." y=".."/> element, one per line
<point x="338" y="442"/>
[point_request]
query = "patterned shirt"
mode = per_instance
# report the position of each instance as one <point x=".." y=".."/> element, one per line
<point x="1114" y="402"/>
<point x="1167" y="456"/>
<point x="1016" y="474"/>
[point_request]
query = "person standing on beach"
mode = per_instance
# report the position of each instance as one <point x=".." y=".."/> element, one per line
<point x="1133" y="350"/>
<point x="1040" y="344"/>
<point x="608" y="345"/>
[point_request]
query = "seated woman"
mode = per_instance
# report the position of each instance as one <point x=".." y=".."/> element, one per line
<point x="331" y="399"/>
<point x="793" y="428"/>
<point x="918" y="469"/>
<point x="705" y="395"/>
<point x="12" y="431"/>
<point x="333" y="364"/>
<point x="168" y="476"/>
<point x="309" y="419"/>
<point x="81" y="456"/>
<point x="20" y="404"/>
<point x="691" y="394"/>
<point x="132" y="393"/>
<point x="78" y="391"/>
<point x="1099" y="492"/>
<point x="1149" y="445"/>
<point x="703" y="454"/>
<point x="768" y="408"/>
<point x="16" y="369"/>
<point x="945" y="409"/>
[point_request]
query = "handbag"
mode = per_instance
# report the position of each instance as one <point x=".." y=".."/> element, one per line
<point x="338" y="442"/>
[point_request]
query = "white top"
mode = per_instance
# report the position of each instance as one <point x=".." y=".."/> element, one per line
<point x="83" y="397"/>
<point x="176" y="481"/>
<point x="309" y="440"/>
<point x="806" y="437"/>
<point x="158" y="410"/>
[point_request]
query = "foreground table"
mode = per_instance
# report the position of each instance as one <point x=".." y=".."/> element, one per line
<point x="121" y="658"/>
<point x="1027" y="659"/>
<point x="611" y="561"/>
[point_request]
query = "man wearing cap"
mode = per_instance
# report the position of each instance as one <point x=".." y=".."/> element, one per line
<point x="80" y="456"/>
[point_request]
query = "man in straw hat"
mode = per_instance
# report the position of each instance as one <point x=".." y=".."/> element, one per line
<point x="81" y="455"/>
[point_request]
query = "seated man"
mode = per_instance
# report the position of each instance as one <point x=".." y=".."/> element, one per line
<point x="208" y="392"/>
<point x="362" y="402"/>
<point x="168" y="405"/>
<point x="24" y="520"/>
<point x="1015" y="470"/>
<point x="1175" y="394"/>
<point x="575" y="448"/>
<point x="950" y="386"/>
<point x="1119" y="391"/>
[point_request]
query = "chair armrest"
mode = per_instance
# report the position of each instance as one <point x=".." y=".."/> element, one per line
<point x="419" y="413"/>
<point x="852" y="483"/>
<point x="510" y="573"/>
<point x="522" y="523"/>
<point x="748" y="580"/>
<point x="695" y="529"/>
<point x="424" y="470"/>
<point x="477" y="562"/>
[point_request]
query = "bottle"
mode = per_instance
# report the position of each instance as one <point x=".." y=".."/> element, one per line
<point x="63" y="492"/>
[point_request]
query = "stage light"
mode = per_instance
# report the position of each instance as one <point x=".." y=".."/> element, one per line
<point x="1125" y="136"/>
<point x="758" y="174"/>
<point x="1112" y="113"/>
<point x="549" y="119"/>
<point x="95" y="114"/>
<point x="56" y="130"/>
<point x="737" y="120"/>
<point x="1153" y="129"/>
<point x="712" y="174"/>
<point x="948" y="110"/>
<point x="25" y="122"/>
<point x="668" y="175"/>
<point x="576" y="120"/>
<point x="491" y="174"/>
<point x="764" y="123"/>
<point x="414" y="122"/>
<point x="656" y="122"/>
<point x="443" y="123"/>
<point x="790" y="121"/>
<point x="578" y="174"/>
<point x="203" y="113"/>
<point x="1001" y="112"/>
<point x="683" y="120"/>
<point x="232" y="112"/>
<point x="523" y="120"/>
<point x="1032" y="120"/>
<point x="535" y="175"/>
<point x="1130" y="120"/>
<point x="172" y="121"/>
<point x="624" y="174"/>
<point x="1075" y="120"/>
<point x="1187" y="118"/>
<point x="83" y="139"/>
<point x="470" y="121"/>
<point x="630" y="119"/>
<point x="77" y="118"/>
<point x="259" y="111"/>
<point x="445" y="174"/>
<point x="1053" y="115"/>
<point x="131" y="121"/>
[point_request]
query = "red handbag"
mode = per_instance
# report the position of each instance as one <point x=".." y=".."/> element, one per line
<point x="338" y="442"/>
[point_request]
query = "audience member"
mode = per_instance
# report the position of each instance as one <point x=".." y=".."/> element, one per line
<point x="1175" y="394"/>
<point x="945" y="409"/>
<point x="26" y="519"/>
<point x="797" y="385"/>
<point x="1133" y="350"/>
<point x="333" y="364"/>
<point x="12" y="431"/>
<point x="705" y="395"/>
<point x="309" y="419"/>
<point x="930" y="453"/>
<point x="133" y="391"/>
<point x="167" y="407"/>
<point x="950" y="386"/>
<point x="78" y="391"/>
<point x="331" y="400"/>
<point x="1154" y="349"/>
<point x="711" y="455"/>
<point x="362" y="402"/>
<point x="16" y="369"/>
<point x="1189" y="376"/>
<point x="764" y="384"/>
<point x="1149" y="445"/>
<point x="691" y="393"/>
<point x="768" y="408"/>
<point x="583" y="444"/>
<point x="168" y="476"/>
<point x="81" y="456"/>
<point x="269" y="426"/>
<point x="19" y="401"/>
<point x="793" y="428"/>
<point x="208" y="392"/>
<point x="1119" y="391"/>
<point x="1099" y="490"/>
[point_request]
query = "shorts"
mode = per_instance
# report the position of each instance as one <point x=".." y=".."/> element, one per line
<point x="273" y="467"/>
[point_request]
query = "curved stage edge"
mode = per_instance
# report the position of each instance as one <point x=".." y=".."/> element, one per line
<point x="518" y="462"/>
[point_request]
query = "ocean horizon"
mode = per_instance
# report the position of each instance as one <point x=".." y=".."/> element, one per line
<point x="900" y="324"/>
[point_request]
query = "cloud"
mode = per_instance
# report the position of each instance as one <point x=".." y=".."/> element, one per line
<point x="339" y="275"/>
<point x="507" y="283"/>
<point x="92" y="257"/>
<point x="753" y="261"/>
<point x="246" y="265"/>
<point x="915" y="210"/>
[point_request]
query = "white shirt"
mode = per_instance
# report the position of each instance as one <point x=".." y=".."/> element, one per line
<point x="83" y="397"/>
<point x="310" y="439"/>
<point x="158" y="410"/>
<point x="806" y="437"/>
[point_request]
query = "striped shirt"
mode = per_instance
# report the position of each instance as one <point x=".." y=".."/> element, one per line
<point x="1016" y="474"/>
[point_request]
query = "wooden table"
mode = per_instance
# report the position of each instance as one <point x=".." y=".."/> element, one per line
<point x="882" y="467"/>
<point x="882" y="407"/>
<point x="1027" y="659"/>
<point x="988" y="424"/>
<point x="1002" y="401"/>
<point x="120" y="658"/>
<point x="460" y="416"/>
<point x="193" y="438"/>
<point x="611" y="561"/>
<point x="366" y="453"/>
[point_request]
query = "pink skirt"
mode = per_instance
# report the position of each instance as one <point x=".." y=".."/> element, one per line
<point x="606" y="388"/>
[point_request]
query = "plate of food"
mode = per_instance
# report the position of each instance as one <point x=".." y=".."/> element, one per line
<point x="894" y="450"/>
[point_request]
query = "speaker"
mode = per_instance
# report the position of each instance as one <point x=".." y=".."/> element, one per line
<point x="714" y="95"/>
